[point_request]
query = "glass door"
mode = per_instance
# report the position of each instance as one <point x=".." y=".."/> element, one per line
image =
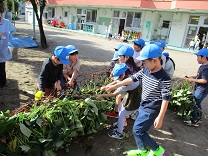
<point x="191" y="32"/>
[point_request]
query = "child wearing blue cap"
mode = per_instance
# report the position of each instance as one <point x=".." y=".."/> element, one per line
<point x="51" y="71"/>
<point x="154" y="101"/>
<point x="125" y="55"/>
<point x="169" y="65"/>
<point x="115" y="57"/>
<point x="70" y="71"/>
<point x="201" y="87"/>
<point x="127" y="106"/>
<point x="138" y="45"/>
<point x="163" y="58"/>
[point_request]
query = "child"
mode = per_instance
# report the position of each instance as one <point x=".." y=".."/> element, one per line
<point x="6" y="28"/>
<point x="71" y="70"/>
<point x="169" y="65"/>
<point x="163" y="58"/>
<point x="201" y="87"/>
<point x="191" y="45"/>
<point x="154" y="102"/>
<point x="121" y="72"/>
<point x="138" y="45"/>
<point x="125" y="55"/>
<point x="197" y="45"/>
<point x="115" y="57"/>
<point x="50" y="75"/>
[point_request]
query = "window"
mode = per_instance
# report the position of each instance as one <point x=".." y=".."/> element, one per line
<point x="65" y="14"/>
<point x="129" y="19"/>
<point x="137" y="20"/>
<point x="166" y="24"/>
<point x="193" y="20"/>
<point x="133" y="19"/>
<point x="116" y="13"/>
<point x="91" y="15"/>
<point x="206" y="21"/>
<point x="79" y="11"/>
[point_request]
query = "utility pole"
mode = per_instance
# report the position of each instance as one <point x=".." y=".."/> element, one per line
<point x="34" y="25"/>
<point x="13" y="10"/>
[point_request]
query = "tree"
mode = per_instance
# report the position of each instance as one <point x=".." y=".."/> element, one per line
<point x="42" y="4"/>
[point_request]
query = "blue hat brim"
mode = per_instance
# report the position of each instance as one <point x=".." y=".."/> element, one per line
<point x="140" y="58"/>
<point x="115" y="78"/>
<point x="114" y="59"/>
<point x="73" y="51"/>
<point x="66" y="61"/>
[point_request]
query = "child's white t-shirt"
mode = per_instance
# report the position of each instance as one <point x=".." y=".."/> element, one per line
<point x="137" y="54"/>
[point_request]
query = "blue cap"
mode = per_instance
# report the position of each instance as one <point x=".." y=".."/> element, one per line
<point x="71" y="49"/>
<point x="140" y="42"/>
<point x="118" y="47"/>
<point x="153" y="42"/>
<point x="62" y="53"/>
<point x="115" y="56"/>
<point x="161" y="44"/>
<point x="118" y="70"/>
<point x="202" y="52"/>
<point x="126" y="51"/>
<point x="166" y="54"/>
<point x="150" y="51"/>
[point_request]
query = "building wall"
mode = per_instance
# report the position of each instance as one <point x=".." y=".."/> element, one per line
<point x="179" y="25"/>
<point x="104" y="16"/>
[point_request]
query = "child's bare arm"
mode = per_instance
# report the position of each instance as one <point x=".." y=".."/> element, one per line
<point x="191" y="79"/>
<point x="110" y="84"/>
<point x="108" y="95"/>
<point x="159" y="120"/>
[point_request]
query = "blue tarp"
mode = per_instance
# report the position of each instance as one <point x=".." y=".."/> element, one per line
<point x="15" y="42"/>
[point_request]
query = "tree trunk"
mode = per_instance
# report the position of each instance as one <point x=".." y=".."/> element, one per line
<point x="39" y="19"/>
<point x="42" y="34"/>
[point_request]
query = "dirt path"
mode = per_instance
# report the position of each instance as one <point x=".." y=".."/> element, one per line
<point x="95" y="53"/>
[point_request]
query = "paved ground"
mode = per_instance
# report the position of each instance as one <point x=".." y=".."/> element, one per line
<point x="95" y="53"/>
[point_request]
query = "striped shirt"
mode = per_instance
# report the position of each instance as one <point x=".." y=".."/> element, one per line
<point x="155" y="88"/>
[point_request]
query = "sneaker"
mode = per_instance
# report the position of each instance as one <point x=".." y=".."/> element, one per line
<point x="191" y="123"/>
<point x="158" y="152"/>
<point x="114" y="127"/>
<point x="115" y="134"/>
<point x="199" y="121"/>
<point x="137" y="153"/>
<point x="113" y="114"/>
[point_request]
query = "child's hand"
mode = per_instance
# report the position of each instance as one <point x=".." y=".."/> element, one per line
<point x="190" y="79"/>
<point x="99" y="96"/>
<point x="58" y="87"/>
<point x="103" y="88"/>
<point x="158" y="123"/>
<point x="71" y="83"/>
<point x="109" y="88"/>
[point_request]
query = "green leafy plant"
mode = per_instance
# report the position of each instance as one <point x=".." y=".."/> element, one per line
<point x="182" y="98"/>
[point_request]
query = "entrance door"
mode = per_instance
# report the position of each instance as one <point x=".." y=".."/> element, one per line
<point x="121" y="26"/>
<point x="203" y="30"/>
<point x="191" y="33"/>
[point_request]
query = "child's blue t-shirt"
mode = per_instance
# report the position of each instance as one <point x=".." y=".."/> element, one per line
<point x="155" y="88"/>
<point x="202" y="74"/>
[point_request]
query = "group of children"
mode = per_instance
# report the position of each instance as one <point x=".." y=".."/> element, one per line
<point x="150" y="101"/>
<point x="58" y="70"/>
<point x="147" y="90"/>
<point x="142" y="81"/>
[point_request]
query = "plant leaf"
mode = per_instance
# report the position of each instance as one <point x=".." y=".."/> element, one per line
<point x="25" y="148"/>
<point x="27" y="132"/>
